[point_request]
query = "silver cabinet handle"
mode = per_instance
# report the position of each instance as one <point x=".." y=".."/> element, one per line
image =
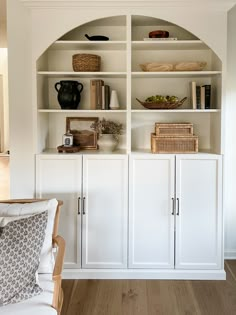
<point x="173" y="206"/>
<point x="83" y="205"/>
<point x="177" y="206"/>
<point x="79" y="205"/>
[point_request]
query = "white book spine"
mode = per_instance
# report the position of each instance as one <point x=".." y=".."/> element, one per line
<point x="194" y="95"/>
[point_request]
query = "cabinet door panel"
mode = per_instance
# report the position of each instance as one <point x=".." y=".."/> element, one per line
<point x="60" y="177"/>
<point x="199" y="223"/>
<point x="105" y="185"/>
<point x="151" y="220"/>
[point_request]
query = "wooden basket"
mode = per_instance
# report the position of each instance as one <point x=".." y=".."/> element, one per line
<point x="86" y="62"/>
<point x="179" y="129"/>
<point x="162" y="105"/>
<point x="175" y="144"/>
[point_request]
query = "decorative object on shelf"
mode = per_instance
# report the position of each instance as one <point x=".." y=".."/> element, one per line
<point x="174" y="138"/>
<point x="69" y="93"/>
<point x="157" y="66"/>
<point x="108" y="132"/>
<point x="107" y="143"/>
<point x="64" y="149"/>
<point x="67" y="139"/>
<point x="174" y="144"/>
<point x="173" y="129"/>
<point x="162" y="104"/>
<point x="86" y="62"/>
<point x="83" y="135"/>
<point x="180" y="66"/>
<point x="114" y="101"/>
<point x="190" y="66"/>
<point x="160" y="38"/>
<point x="158" y="34"/>
<point x="96" y="37"/>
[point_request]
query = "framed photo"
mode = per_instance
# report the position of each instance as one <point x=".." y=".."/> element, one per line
<point x="83" y="135"/>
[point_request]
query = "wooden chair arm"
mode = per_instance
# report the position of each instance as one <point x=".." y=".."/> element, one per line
<point x="57" y="271"/>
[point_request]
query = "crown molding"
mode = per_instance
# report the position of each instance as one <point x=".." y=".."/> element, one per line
<point x="222" y="5"/>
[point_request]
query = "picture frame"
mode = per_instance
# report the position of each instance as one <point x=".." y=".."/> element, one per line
<point x="83" y="135"/>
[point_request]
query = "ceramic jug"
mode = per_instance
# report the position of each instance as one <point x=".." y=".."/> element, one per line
<point x="69" y="93"/>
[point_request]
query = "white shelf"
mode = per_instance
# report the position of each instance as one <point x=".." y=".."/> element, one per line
<point x="169" y="45"/>
<point x="175" y="74"/>
<point x="148" y="151"/>
<point x="73" y="74"/>
<point x="77" y="111"/>
<point x="87" y="45"/>
<point x="198" y="111"/>
<point x="92" y="152"/>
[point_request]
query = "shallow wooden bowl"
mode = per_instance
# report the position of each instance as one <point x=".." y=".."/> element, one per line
<point x="162" y="105"/>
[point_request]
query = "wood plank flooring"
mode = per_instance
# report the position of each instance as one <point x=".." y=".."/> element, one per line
<point x="151" y="297"/>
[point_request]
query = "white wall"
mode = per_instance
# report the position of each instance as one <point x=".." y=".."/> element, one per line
<point x="4" y="110"/>
<point x="230" y="142"/>
<point x="20" y="100"/>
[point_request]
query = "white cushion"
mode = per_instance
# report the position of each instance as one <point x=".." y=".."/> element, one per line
<point x="37" y="305"/>
<point x="46" y="257"/>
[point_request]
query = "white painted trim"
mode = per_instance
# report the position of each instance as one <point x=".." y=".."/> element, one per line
<point x="230" y="254"/>
<point x="144" y="274"/>
<point x="212" y="4"/>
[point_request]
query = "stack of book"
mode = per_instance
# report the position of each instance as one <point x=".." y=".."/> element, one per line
<point x="99" y="95"/>
<point x="201" y="96"/>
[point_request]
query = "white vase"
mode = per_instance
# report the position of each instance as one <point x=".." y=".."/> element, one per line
<point x="114" y="101"/>
<point x="107" y="142"/>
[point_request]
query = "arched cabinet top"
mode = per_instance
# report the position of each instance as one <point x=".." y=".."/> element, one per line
<point x="132" y="28"/>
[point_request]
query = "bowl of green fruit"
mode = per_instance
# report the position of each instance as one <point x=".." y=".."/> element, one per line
<point x="162" y="102"/>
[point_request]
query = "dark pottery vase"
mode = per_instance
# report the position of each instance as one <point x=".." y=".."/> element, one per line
<point x="69" y="93"/>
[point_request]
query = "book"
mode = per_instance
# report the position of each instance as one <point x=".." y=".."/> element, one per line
<point x="207" y="96"/>
<point x="193" y="95"/>
<point x="202" y="97"/>
<point x="96" y="99"/>
<point x="198" y="96"/>
<point x="99" y="84"/>
<point x="160" y="39"/>
<point x="107" y="97"/>
<point x="103" y="96"/>
<point x="93" y="94"/>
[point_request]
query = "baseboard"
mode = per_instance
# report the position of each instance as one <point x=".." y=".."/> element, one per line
<point x="230" y="254"/>
<point x="144" y="274"/>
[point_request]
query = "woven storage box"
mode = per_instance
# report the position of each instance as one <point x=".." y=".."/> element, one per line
<point x="180" y="129"/>
<point x="174" y="144"/>
<point x="86" y="62"/>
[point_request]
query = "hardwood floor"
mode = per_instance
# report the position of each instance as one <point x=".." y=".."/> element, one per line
<point x="151" y="297"/>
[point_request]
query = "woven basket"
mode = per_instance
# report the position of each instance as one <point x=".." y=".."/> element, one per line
<point x="178" y="129"/>
<point x="86" y="62"/>
<point x="177" y="144"/>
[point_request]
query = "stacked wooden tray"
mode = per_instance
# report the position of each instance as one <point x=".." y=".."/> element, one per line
<point x="174" y="138"/>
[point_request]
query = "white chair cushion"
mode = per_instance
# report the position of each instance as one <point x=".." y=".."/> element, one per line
<point x="37" y="305"/>
<point x="46" y="257"/>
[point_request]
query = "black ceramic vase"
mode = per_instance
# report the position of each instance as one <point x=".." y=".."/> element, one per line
<point x="69" y="93"/>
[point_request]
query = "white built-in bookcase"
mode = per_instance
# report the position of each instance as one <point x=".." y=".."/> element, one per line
<point x="120" y="69"/>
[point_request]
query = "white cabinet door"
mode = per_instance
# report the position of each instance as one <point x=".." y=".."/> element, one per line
<point x="151" y="217"/>
<point x="199" y="212"/>
<point x="104" y="219"/>
<point x="60" y="177"/>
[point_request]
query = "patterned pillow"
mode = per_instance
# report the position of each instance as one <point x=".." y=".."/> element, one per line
<point x="46" y="264"/>
<point x="21" y="242"/>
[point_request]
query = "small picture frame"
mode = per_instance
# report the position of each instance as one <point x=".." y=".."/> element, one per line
<point x="83" y="135"/>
